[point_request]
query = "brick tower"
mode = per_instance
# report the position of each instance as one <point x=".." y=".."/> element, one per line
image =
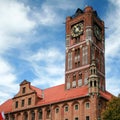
<point x="85" y="51"/>
<point x="83" y="96"/>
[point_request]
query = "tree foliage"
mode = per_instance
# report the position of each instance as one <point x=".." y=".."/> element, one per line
<point x="112" y="111"/>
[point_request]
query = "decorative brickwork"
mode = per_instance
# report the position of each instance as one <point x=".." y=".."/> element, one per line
<point x="83" y="96"/>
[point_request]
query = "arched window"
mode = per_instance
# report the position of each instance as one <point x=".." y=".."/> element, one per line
<point x="39" y="114"/>
<point x="66" y="108"/>
<point x="95" y="84"/>
<point x="90" y="83"/>
<point x="48" y="113"/>
<point x="76" y="106"/>
<point x="25" y="116"/>
<point x="32" y="115"/>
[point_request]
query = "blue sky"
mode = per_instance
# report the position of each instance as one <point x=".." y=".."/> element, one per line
<point x="32" y="42"/>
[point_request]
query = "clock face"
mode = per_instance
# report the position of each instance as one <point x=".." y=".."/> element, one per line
<point x="77" y="30"/>
<point x="97" y="32"/>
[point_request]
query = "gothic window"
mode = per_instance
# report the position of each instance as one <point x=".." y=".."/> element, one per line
<point x="16" y="104"/>
<point x="40" y="114"/>
<point x="90" y="83"/>
<point x="84" y="55"/>
<point x="77" y="57"/>
<point x="88" y="34"/>
<point x="69" y="60"/>
<point x="95" y="84"/>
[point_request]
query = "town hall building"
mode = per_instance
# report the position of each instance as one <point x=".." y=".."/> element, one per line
<point x="83" y="96"/>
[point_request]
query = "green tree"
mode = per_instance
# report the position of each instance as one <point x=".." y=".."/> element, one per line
<point x="112" y="111"/>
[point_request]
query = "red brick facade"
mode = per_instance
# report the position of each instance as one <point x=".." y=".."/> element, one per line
<point x="83" y="96"/>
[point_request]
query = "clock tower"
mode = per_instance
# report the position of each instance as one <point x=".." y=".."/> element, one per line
<point x="85" y="51"/>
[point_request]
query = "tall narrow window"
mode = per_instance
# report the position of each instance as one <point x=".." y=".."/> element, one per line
<point x="68" y="82"/>
<point x="80" y="79"/>
<point x="29" y="101"/>
<point x="48" y="114"/>
<point x="84" y="55"/>
<point x="87" y="118"/>
<point x="33" y="115"/>
<point x="69" y="60"/>
<point x="86" y="77"/>
<point x="77" y="57"/>
<point x="40" y="114"/>
<point x="74" y="81"/>
<point x="16" y="104"/>
<point x="23" y="90"/>
<point x="87" y="105"/>
<point x="22" y="103"/>
<point x="88" y="34"/>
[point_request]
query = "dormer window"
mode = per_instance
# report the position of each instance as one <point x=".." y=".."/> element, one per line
<point x="23" y="90"/>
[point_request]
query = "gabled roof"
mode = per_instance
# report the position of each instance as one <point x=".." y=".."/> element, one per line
<point x="24" y="82"/>
<point x="56" y="94"/>
<point x="37" y="90"/>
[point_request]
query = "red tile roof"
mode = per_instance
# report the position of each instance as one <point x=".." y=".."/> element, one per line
<point x="37" y="90"/>
<point x="6" y="106"/>
<point x="106" y="95"/>
<point x="56" y="94"/>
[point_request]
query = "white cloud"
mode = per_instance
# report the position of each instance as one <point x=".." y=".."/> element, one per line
<point x="14" y="17"/>
<point x="7" y="80"/>
<point x="47" y="66"/>
<point x="14" y="21"/>
<point x="112" y="44"/>
<point x="47" y="16"/>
